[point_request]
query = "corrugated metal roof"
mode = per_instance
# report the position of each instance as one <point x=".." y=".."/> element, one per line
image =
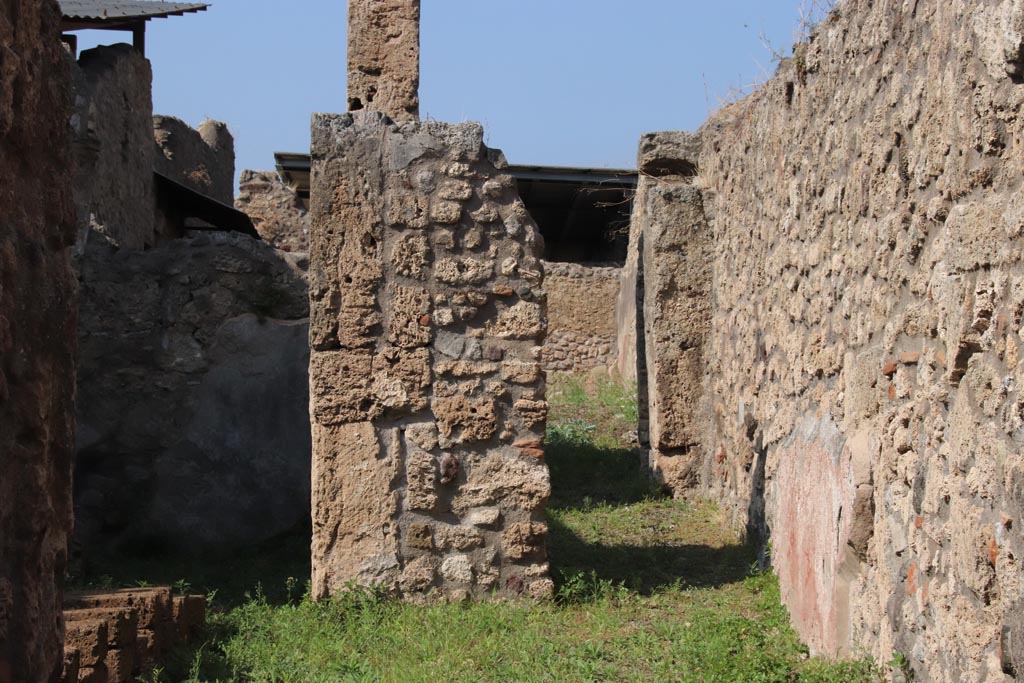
<point x="121" y="10"/>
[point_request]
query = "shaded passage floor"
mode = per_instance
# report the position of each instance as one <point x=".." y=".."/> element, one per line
<point x="649" y="589"/>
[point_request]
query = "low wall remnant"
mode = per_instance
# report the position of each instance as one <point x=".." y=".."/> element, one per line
<point x="202" y="158"/>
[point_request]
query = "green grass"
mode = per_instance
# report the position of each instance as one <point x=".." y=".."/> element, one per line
<point x="648" y="589"/>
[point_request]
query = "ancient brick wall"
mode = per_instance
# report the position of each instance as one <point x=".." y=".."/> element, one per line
<point x="193" y="426"/>
<point x="118" y="143"/>
<point x="37" y="341"/>
<point x="581" y="316"/>
<point x="200" y="158"/>
<point x="864" y="354"/>
<point x="113" y="144"/>
<point x="275" y="210"/>
<point x="427" y="396"/>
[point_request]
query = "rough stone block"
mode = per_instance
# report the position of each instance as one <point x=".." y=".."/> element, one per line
<point x="353" y="485"/>
<point x="120" y="665"/>
<point x="122" y="622"/>
<point x="89" y="638"/>
<point x="462" y="420"/>
<point x="669" y="153"/>
<point x="189" y="613"/>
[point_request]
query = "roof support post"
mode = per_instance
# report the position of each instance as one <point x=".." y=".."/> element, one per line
<point x="139" y="37"/>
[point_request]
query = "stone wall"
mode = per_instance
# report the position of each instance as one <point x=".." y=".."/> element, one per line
<point x="667" y="304"/>
<point x="202" y="159"/>
<point x="37" y="318"/>
<point x="863" y="360"/>
<point x="427" y="395"/>
<point x="113" y="144"/>
<point x="275" y="210"/>
<point x="193" y="427"/>
<point x="118" y="143"/>
<point x="581" y="316"/>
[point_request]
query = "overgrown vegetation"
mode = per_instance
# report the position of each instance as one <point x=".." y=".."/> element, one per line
<point x="649" y="589"/>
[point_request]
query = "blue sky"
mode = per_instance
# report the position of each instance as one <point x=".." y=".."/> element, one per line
<point x="561" y="82"/>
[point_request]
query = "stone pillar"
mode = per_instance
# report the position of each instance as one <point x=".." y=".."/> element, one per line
<point x="669" y="271"/>
<point x="37" y="340"/>
<point x="427" y="396"/>
<point x="384" y="57"/>
<point x="115" y="155"/>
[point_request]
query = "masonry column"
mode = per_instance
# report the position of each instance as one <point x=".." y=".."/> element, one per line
<point x="427" y="318"/>
<point x="37" y="340"/>
<point x="671" y="241"/>
<point x="384" y="57"/>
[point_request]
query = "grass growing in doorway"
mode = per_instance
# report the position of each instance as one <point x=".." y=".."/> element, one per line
<point x="649" y="589"/>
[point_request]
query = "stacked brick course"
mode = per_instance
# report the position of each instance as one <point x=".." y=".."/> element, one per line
<point x="112" y="637"/>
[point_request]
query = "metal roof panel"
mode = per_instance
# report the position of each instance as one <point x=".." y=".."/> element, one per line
<point x="121" y="10"/>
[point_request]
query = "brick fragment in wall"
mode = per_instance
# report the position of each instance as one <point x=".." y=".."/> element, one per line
<point x="876" y="292"/>
<point x="424" y="368"/>
<point x="37" y="339"/>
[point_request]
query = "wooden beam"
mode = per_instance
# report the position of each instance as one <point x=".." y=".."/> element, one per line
<point x="139" y="37"/>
